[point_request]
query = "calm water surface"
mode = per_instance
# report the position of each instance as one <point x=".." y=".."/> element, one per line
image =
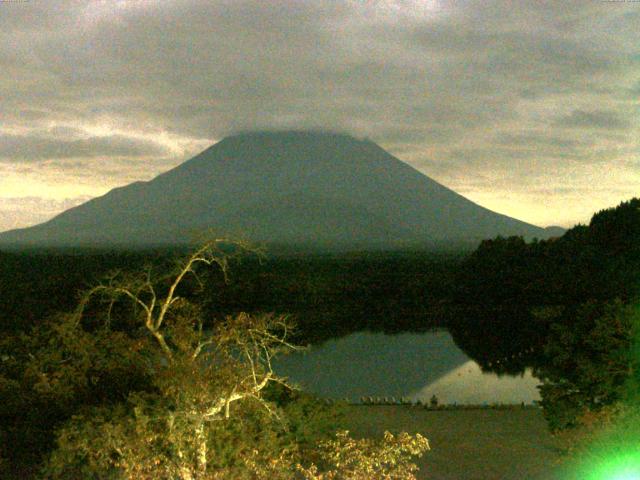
<point x="411" y="365"/>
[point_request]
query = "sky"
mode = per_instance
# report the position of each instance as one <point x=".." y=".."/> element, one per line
<point x="529" y="108"/>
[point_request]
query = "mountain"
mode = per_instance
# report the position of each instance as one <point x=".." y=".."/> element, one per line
<point x="554" y="231"/>
<point x="290" y="188"/>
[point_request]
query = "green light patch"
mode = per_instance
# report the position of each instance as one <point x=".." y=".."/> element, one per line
<point x="617" y="467"/>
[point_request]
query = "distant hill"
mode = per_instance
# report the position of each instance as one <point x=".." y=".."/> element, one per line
<point x="555" y="231"/>
<point x="305" y="189"/>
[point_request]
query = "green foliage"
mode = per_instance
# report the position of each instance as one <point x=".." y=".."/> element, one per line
<point x="182" y="429"/>
<point x="345" y="458"/>
<point x="307" y="418"/>
<point x="48" y="375"/>
<point x="605" y="442"/>
<point x="589" y="362"/>
<point x="152" y="437"/>
<point x="138" y="383"/>
<point x="204" y="412"/>
<point x="501" y="290"/>
<point x="559" y="306"/>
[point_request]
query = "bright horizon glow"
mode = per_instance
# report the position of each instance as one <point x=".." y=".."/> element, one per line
<point x="61" y="187"/>
<point x="527" y="109"/>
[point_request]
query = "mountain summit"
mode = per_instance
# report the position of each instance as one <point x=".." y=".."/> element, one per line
<point x="304" y="189"/>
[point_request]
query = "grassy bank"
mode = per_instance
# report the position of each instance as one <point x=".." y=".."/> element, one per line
<point x="480" y="444"/>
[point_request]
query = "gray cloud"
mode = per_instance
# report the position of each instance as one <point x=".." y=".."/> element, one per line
<point x="606" y="119"/>
<point x="610" y="120"/>
<point x="31" y="147"/>
<point x="457" y="88"/>
<point x="536" y="139"/>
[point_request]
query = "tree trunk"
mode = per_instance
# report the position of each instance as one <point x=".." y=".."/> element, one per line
<point x="201" y="440"/>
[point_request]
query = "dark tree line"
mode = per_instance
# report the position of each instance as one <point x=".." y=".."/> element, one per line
<point x="563" y="306"/>
<point x="328" y="295"/>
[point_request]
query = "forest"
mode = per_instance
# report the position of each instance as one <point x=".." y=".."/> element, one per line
<point x="80" y="366"/>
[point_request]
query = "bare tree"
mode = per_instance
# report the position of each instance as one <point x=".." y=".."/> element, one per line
<point x="204" y="383"/>
<point x="203" y="372"/>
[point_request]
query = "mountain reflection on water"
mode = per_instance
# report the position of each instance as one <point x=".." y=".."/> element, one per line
<point x="412" y="365"/>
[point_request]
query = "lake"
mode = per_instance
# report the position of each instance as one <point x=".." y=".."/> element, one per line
<point x="411" y="365"/>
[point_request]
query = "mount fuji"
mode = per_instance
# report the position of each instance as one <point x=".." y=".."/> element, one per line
<point x="296" y="188"/>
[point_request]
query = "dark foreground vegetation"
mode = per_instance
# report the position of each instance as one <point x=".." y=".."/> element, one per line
<point x="77" y="385"/>
<point x="137" y="382"/>
<point x="565" y="306"/>
<point x="328" y="295"/>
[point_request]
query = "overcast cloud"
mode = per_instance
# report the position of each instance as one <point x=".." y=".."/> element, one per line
<point x="530" y="108"/>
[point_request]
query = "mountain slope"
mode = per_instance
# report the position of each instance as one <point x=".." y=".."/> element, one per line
<point x="285" y="187"/>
